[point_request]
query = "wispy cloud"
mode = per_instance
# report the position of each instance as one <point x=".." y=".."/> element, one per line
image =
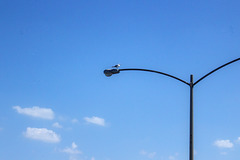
<point x="42" y="134"/>
<point x="173" y="157"/>
<point x="57" y="125"/>
<point x="44" y="113"/>
<point x="74" y="120"/>
<point x="72" y="150"/>
<point x="148" y="154"/>
<point x="76" y="154"/>
<point x="95" y="120"/>
<point x="223" y="153"/>
<point x="223" y="144"/>
<point x="195" y="152"/>
<point x="238" y="140"/>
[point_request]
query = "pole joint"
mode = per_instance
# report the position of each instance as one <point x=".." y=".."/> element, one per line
<point x="191" y="84"/>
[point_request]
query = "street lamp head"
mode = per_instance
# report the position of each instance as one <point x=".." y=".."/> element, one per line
<point x="110" y="72"/>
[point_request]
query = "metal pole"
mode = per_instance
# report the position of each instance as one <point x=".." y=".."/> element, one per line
<point x="191" y="150"/>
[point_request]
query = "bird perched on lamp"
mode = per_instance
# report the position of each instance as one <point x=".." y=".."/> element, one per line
<point x="116" y="66"/>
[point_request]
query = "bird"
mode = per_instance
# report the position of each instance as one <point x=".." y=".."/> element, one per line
<point x="116" y="66"/>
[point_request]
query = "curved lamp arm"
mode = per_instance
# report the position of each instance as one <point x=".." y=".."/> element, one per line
<point x="216" y="70"/>
<point x="109" y="72"/>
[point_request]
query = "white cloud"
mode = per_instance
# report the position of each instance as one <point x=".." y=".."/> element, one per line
<point x="148" y="154"/>
<point x="57" y="125"/>
<point x="95" y="120"/>
<point x="72" y="150"/>
<point x="75" y="154"/>
<point x="44" y="113"/>
<point x="42" y="134"/>
<point x="74" y="146"/>
<point x="223" y="143"/>
<point x="238" y="140"/>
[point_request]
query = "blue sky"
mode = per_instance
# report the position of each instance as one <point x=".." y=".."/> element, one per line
<point x="56" y="102"/>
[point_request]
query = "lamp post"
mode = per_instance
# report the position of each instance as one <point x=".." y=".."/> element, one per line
<point x="191" y="84"/>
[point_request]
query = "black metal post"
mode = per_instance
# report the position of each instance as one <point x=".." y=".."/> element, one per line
<point x="191" y="149"/>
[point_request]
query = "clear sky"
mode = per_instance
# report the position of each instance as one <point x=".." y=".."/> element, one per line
<point x="56" y="103"/>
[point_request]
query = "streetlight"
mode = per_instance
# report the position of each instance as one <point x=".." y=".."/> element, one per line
<point x="191" y="84"/>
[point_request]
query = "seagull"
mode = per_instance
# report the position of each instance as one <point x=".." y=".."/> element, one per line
<point x="116" y="66"/>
